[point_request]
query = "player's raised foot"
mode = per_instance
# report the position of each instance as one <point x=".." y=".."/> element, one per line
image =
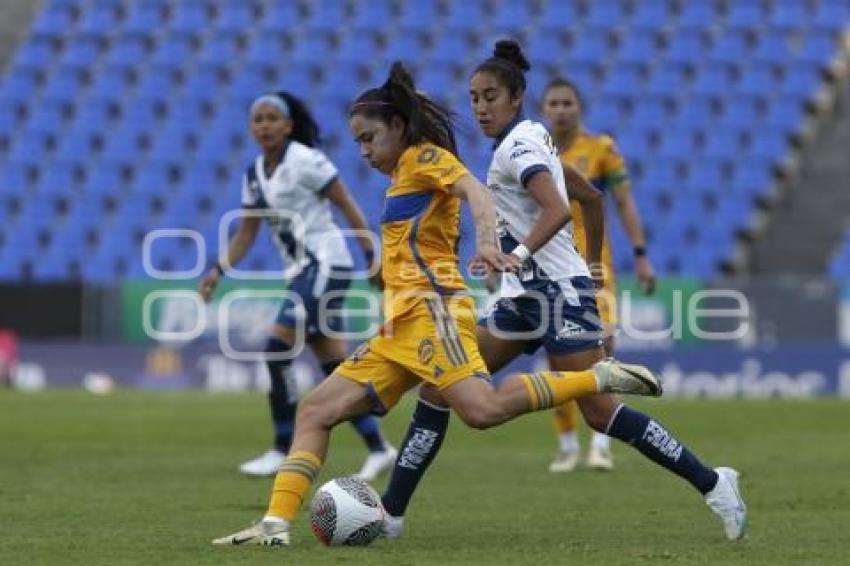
<point x="725" y="500"/>
<point x="600" y="459"/>
<point x="270" y="531"/>
<point x="266" y="464"/>
<point x="392" y="526"/>
<point x="614" y="376"/>
<point x="377" y="463"/>
<point x="565" y="461"/>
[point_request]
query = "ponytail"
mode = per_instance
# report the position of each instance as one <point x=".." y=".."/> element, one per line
<point x="424" y="120"/>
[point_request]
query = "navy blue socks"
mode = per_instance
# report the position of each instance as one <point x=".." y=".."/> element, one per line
<point x="282" y="408"/>
<point x="423" y="440"/>
<point x="652" y="440"/>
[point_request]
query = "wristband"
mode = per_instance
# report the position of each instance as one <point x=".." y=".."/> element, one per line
<point x="521" y="252"/>
<point x="640" y="251"/>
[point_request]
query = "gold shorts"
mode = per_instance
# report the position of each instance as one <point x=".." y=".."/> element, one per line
<point x="433" y="341"/>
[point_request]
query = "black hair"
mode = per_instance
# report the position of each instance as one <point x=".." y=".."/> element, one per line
<point x="424" y="120"/>
<point x="564" y="82"/>
<point x="304" y="127"/>
<point x="509" y="65"/>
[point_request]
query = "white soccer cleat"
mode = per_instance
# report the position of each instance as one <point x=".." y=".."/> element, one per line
<point x="614" y="376"/>
<point x="600" y="459"/>
<point x="564" y="462"/>
<point x="268" y="532"/>
<point x="265" y="465"/>
<point x="376" y="463"/>
<point x="725" y="500"/>
<point x="392" y="527"/>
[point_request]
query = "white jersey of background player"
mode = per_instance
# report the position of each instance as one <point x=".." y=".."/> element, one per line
<point x="300" y="215"/>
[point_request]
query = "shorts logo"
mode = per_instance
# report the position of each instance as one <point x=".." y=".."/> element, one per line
<point x="426" y="351"/>
<point x="570" y="330"/>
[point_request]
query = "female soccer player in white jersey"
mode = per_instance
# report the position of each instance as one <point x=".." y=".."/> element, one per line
<point x="293" y="184"/>
<point x="549" y="304"/>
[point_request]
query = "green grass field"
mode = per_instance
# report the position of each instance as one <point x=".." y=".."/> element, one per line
<point x="150" y="478"/>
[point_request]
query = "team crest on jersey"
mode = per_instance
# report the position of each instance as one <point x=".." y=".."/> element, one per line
<point x="426" y="351"/>
<point x="427" y="155"/>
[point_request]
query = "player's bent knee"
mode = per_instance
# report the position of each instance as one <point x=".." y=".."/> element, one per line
<point x="313" y="413"/>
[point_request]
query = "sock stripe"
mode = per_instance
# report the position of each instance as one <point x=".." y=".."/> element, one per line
<point x="534" y="392"/>
<point x="302" y="467"/>
<point x="548" y="396"/>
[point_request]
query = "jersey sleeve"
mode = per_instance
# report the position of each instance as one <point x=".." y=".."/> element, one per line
<point x="613" y="166"/>
<point x="523" y="158"/>
<point x="435" y="168"/>
<point x="319" y="173"/>
<point x="251" y="195"/>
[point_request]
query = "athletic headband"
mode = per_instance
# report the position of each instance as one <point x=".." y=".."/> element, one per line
<point x="271" y="100"/>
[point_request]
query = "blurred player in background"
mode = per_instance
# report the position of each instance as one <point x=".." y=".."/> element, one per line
<point x="596" y="157"/>
<point x="429" y="330"/>
<point x="527" y="180"/>
<point x="294" y="184"/>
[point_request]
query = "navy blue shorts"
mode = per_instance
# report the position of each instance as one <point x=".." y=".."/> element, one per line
<point x="310" y="285"/>
<point x="551" y="320"/>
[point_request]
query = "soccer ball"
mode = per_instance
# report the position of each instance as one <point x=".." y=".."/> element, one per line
<point x="346" y="511"/>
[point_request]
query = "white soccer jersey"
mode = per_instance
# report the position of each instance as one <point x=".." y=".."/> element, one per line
<point x="296" y="189"/>
<point x="524" y="150"/>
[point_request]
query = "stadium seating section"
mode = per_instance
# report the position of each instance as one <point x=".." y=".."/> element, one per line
<point x="119" y="116"/>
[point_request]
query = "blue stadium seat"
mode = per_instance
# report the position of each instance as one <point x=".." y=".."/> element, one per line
<point x="695" y="15"/>
<point x="326" y="17"/>
<point x="745" y="16"/>
<point x="14" y="178"/>
<point x="510" y="14"/>
<point x="449" y="48"/>
<point x="264" y="49"/>
<point x="311" y="48"/>
<point x="418" y="16"/>
<point x="649" y="16"/>
<point x="407" y="46"/>
<point x="722" y="144"/>
<point x="801" y="81"/>
<point x="465" y="15"/>
<point x="99" y="20"/>
<point x="128" y="51"/>
<point x="757" y="81"/>
<point x="817" y="49"/>
<point x="104" y="177"/>
<point x="730" y="47"/>
<point x="80" y="52"/>
<point x="372" y="15"/>
<point x="219" y="50"/>
<point x="63" y="84"/>
<point x="45" y="117"/>
<point x="173" y="51"/>
<point x="235" y="18"/>
<point x="786" y="16"/>
<point x="545" y="48"/>
<point x="589" y="49"/>
<point x="666" y="81"/>
<point x="355" y="48"/>
<point x="638" y="47"/>
<point x="773" y="48"/>
<point x="685" y="47"/>
<point x="279" y="16"/>
<point x="59" y="179"/>
<point x="830" y="16"/>
<point x="53" y="21"/>
<point x="113" y="79"/>
<point x="188" y="18"/>
<point x="785" y="114"/>
<point x="34" y="53"/>
<point x="143" y="19"/>
<point x="623" y="80"/>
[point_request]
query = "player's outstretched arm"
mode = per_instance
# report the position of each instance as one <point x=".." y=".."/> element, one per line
<point x="340" y="196"/>
<point x="238" y="246"/>
<point x="484" y="217"/>
<point x="629" y="215"/>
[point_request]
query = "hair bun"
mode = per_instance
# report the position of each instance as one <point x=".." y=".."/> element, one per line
<point x="510" y="50"/>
